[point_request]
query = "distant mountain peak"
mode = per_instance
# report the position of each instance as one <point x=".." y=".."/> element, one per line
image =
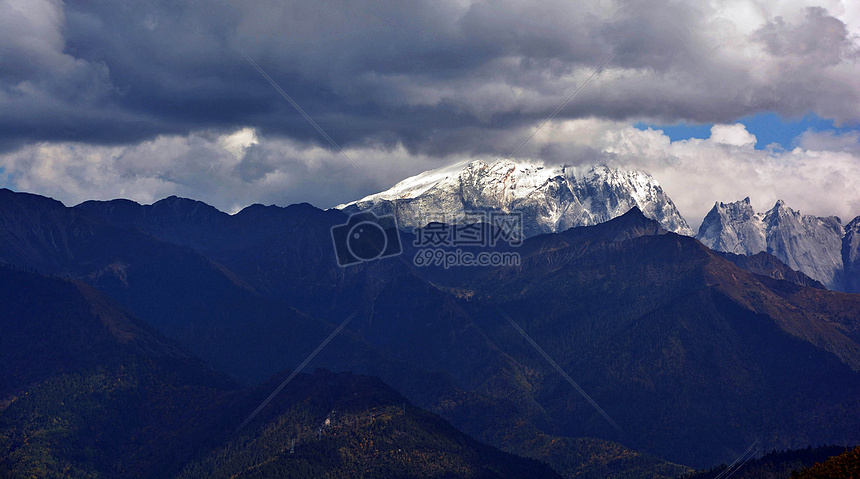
<point x="634" y="217"/>
<point x="631" y="224"/>
<point x="551" y="198"/>
<point x="851" y="255"/>
<point x="806" y="243"/>
<point x="185" y="206"/>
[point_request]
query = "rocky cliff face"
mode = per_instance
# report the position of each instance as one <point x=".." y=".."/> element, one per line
<point x="817" y="246"/>
<point x="851" y="256"/>
<point x="734" y="228"/>
<point x="550" y="198"/>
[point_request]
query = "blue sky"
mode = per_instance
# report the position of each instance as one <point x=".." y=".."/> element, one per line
<point x="768" y="128"/>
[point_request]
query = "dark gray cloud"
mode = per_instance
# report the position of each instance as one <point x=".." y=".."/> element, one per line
<point x="417" y="73"/>
<point x="818" y="38"/>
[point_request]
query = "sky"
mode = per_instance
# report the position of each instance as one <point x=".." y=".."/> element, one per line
<point x="717" y="99"/>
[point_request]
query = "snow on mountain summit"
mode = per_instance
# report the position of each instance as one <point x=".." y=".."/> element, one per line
<point x="551" y="198"/>
<point x="810" y="244"/>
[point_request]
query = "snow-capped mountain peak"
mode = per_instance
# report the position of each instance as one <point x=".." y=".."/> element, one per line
<point x="851" y="255"/>
<point x="810" y="244"/>
<point x="734" y="228"/>
<point x="551" y="197"/>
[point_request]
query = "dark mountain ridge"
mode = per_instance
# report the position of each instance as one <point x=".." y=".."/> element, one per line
<point x="97" y="393"/>
<point x="689" y="353"/>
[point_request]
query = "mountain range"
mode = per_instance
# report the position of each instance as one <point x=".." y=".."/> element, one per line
<point x="692" y="353"/>
<point x="556" y="198"/>
<point x="821" y="247"/>
<point x="224" y="319"/>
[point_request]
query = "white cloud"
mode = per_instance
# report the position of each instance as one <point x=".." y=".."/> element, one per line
<point x="821" y="176"/>
<point x="229" y="171"/>
<point x="736" y="135"/>
<point x="848" y="142"/>
<point x="237" y="143"/>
